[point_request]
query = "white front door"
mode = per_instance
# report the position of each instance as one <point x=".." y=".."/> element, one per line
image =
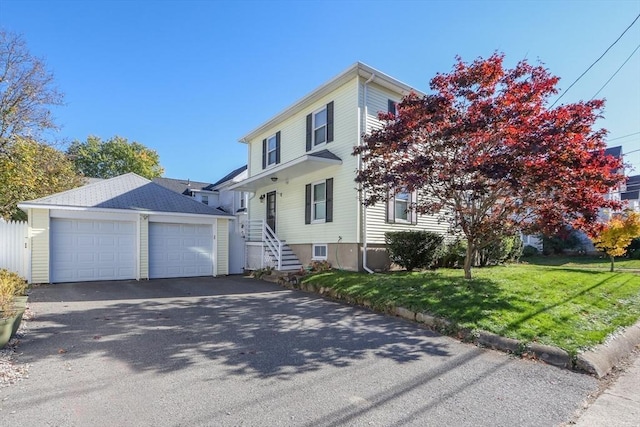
<point x="180" y="250"/>
<point x="90" y="250"/>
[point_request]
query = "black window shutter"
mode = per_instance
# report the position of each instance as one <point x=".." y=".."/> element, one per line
<point x="329" y="189"/>
<point x="309" y="131"/>
<point x="307" y="204"/>
<point x="391" y="207"/>
<point x="278" y="147"/>
<point x="264" y="153"/>
<point x="391" y="106"/>
<point x="413" y="215"/>
<point x="330" y="121"/>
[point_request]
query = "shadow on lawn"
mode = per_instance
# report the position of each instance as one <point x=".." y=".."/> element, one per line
<point x="253" y="329"/>
<point x="516" y="324"/>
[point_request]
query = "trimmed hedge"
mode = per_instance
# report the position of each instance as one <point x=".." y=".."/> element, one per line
<point x="413" y="249"/>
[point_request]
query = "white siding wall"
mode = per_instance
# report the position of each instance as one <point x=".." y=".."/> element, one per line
<point x="39" y="222"/>
<point x="290" y="207"/>
<point x="143" y="245"/>
<point x="222" y="251"/>
<point x="377" y="100"/>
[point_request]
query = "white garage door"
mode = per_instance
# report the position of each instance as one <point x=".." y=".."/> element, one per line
<point x="180" y="250"/>
<point x="86" y="250"/>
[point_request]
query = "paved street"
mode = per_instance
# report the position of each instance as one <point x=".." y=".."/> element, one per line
<point x="235" y="351"/>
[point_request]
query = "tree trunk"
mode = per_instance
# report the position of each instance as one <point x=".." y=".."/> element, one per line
<point x="468" y="260"/>
<point x="612" y="260"/>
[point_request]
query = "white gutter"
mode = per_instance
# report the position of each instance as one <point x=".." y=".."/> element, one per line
<point x="363" y="192"/>
<point x="25" y="206"/>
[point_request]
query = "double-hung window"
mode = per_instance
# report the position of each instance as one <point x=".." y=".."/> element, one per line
<point x="319" y="202"/>
<point x="271" y="150"/>
<point x="320" y="126"/>
<point x="401" y="207"/>
<point x="319" y="210"/>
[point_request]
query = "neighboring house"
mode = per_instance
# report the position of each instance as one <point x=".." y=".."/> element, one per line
<point x="631" y="193"/>
<point x="123" y="228"/>
<point x="201" y="191"/>
<point x="301" y="176"/>
<point x="217" y="195"/>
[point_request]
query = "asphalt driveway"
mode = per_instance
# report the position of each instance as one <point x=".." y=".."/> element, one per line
<point x="236" y="351"/>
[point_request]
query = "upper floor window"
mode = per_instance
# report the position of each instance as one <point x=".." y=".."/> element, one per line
<point x="243" y="202"/>
<point x="205" y="199"/>
<point x="392" y="107"/>
<point x="271" y="150"/>
<point x="320" y="126"/>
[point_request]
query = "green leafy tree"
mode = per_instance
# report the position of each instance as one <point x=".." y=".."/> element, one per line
<point x="26" y="92"/>
<point x="617" y="234"/>
<point x="105" y="159"/>
<point x="29" y="170"/>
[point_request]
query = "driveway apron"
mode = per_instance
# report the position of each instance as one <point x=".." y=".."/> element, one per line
<point x="235" y="351"/>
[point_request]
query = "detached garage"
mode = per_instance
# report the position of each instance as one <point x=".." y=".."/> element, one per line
<point x="124" y="228"/>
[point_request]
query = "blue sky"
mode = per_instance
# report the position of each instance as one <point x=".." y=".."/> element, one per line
<point x="189" y="78"/>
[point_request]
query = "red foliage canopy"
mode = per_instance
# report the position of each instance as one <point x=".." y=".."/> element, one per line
<point x="486" y="149"/>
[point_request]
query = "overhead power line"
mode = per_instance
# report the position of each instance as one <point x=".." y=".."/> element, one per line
<point x="623" y="136"/>
<point x="596" y="61"/>
<point x="614" y="74"/>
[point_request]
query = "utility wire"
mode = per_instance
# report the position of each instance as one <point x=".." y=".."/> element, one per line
<point x="596" y="61"/>
<point x="614" y="74"/>
<point x="623" y="136"/>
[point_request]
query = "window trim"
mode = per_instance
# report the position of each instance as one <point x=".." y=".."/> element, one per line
<point x="412" y="215"/>
<point x="273" y="138"/>
<point x="314" y="220"/>
<point x="314" y="128"/>
<point x="407" y="212"/>
<point x="203" y="197"/>
<point x="319" y="245"/>
<point x="265" y="151"/>
<point x="308" y="202"/>
<point x="310" y="126"/>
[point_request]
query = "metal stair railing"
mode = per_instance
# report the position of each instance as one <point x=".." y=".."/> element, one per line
<point x="272" y="242"/>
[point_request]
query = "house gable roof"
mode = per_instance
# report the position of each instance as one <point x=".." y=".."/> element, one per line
<point x="357" y="69"/>
<point x="614" y="151"/>
<point x="124" y="192"/>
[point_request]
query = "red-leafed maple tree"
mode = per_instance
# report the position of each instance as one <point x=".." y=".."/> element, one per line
<point x="486" y="152"/>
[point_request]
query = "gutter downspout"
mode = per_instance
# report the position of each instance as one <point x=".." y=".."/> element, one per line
<point x="363" y="121"/>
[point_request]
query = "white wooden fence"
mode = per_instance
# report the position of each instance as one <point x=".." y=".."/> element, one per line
<point x="14" y="248"/>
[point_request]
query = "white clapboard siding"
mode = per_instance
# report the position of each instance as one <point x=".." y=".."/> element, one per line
<point x="14" y="250"/>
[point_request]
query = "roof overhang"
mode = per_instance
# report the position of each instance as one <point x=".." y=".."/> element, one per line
<point x="26" y="206"/>
<point x="303" y="165"/>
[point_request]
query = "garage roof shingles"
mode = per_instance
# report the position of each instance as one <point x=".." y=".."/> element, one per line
<point x="130" y="192"/>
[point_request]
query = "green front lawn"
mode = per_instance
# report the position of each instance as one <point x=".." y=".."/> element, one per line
<point x="572" y="308"/>
<point x="597" y="262"/>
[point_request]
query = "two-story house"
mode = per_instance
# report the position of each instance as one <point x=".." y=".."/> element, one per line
<point x="301" y="179"/>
